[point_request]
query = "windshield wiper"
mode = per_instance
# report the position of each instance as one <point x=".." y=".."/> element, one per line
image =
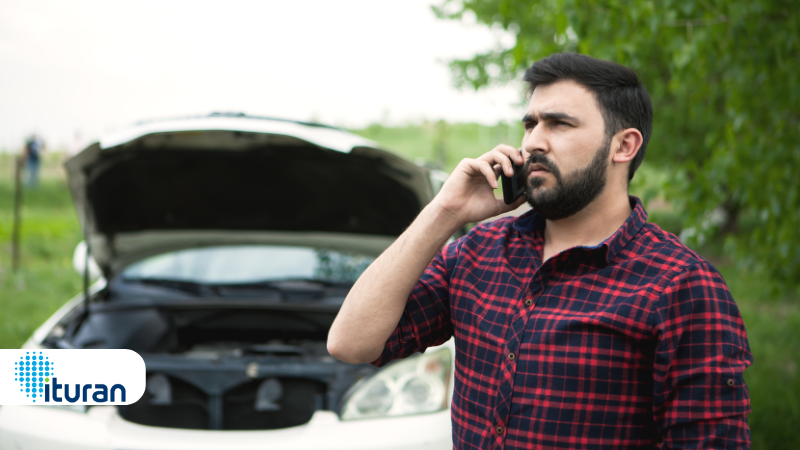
<point x="294" y="288"/>
<point x="191" y="287"/>
<point x="289" y="289"/>
<point x="291" y="284"/>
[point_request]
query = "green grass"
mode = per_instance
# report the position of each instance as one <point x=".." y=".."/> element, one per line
<point x="46" y="279"/>
<point x="50" y="232"/>
<point x="773" y="328"/>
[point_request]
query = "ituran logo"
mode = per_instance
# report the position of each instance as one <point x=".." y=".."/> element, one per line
<point x="79" y="377"/>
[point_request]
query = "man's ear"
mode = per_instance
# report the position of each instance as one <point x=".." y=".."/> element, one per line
<point x="629" y="141"/>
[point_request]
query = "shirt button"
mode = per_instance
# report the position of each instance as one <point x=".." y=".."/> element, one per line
<point x="528" y="302"/>
<point x="499" y="430"/>
<point x="511" y="356"/>
<point x="731" y="383"/>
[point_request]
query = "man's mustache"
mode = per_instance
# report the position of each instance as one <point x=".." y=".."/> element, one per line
<point x="538" y="158"/>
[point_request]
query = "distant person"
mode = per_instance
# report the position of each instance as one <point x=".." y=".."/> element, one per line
<point x="32" y="159"/>
<point x="577" y="324"/>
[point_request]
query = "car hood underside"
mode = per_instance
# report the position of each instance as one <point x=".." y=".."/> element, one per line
<point x="167" y="190"/>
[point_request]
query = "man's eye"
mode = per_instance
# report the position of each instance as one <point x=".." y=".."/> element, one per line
<point x="561" y="122"/>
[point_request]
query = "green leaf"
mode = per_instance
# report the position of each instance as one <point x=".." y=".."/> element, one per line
<point x="561" y="23"/>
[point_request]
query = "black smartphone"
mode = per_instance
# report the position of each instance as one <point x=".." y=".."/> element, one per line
<point x="514" y="186"/>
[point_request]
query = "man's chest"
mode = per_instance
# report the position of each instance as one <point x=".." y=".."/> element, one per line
<point x="568" y="338"/>
<point x="504" y="309"/>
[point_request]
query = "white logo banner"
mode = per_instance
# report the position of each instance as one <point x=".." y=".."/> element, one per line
<point x="71" y="377"/>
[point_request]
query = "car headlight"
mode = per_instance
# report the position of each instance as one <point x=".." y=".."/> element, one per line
<point x="415" y="385"/>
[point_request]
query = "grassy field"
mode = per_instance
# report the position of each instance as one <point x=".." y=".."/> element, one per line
<point x="50" y="231"/>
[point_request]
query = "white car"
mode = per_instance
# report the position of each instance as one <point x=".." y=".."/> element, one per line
<point x="224" y="247"/>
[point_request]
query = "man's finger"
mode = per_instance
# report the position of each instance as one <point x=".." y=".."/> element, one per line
<point x="496" y="157"/>
<point x="486" y="169"/>
<point x="511" y="152"/>
<point x="502" y="148"/>
<point x="506" y="156"/>
<point x="498" y="169"/>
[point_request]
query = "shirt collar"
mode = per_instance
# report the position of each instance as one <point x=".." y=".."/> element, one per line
<point x="532" y="222"/>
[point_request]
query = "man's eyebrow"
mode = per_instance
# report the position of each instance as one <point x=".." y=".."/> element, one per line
<point x="551" y="115"/>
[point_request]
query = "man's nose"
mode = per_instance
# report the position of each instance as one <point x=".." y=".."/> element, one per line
<point x="535" y="142"/>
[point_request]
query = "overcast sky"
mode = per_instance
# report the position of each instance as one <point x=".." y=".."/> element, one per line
<point x="89" y="67"/>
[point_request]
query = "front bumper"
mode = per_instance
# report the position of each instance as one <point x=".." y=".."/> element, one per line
<point x="102" y="428"/>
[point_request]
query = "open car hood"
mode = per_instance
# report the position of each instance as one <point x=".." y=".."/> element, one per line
<point x="227" y="180"/>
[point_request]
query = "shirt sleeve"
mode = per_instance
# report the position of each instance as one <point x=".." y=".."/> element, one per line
<point x="700" y="399"/>
<point x="426" y="319"/>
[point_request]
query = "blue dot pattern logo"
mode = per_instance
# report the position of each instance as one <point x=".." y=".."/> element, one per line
<point x="30" y="372"/>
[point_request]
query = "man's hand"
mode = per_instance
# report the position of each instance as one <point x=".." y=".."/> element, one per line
<point x="468" y="195"/>
<point x="375" y="303"/>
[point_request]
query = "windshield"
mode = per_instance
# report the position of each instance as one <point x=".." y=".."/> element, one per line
<point x="250" y="264"/>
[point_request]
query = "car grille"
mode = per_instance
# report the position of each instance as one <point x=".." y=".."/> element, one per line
<point x="260" y="404"/>
<point x="299" y="399"/>
<point x="188" y="408"/>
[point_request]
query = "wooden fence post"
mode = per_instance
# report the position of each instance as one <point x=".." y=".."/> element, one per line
<point x="17" y="213"/>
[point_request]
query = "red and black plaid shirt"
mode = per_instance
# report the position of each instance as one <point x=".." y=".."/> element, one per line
<point x="625" y="345"/>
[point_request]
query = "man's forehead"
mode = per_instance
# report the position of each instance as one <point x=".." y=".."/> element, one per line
<point x="563" y="96"/>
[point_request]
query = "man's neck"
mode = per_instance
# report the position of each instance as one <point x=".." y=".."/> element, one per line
<point x="589" y="227"/>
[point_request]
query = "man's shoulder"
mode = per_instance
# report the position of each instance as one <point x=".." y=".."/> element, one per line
<point x="493" y="229"/>
<point x="487" y="238"/>
<point x="659" y="247"/>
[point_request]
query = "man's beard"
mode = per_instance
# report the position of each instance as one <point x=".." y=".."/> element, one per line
<point x="571" y="194"/>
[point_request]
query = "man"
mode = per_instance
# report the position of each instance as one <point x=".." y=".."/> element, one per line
<point x="577" y="324"/>
<point x="33" y="149"/>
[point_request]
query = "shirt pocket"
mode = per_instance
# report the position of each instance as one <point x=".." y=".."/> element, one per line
<point x="491" y="320"/>
<point x="482" y="310"/>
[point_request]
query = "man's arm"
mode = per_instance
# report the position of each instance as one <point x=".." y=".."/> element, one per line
<point x="376" y="302"/>
<point x="700" y="399"/>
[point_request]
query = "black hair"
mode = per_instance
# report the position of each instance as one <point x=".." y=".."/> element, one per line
<point x="621" y="97"/>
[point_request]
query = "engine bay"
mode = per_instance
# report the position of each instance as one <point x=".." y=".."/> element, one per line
<point x="220" y="365"/>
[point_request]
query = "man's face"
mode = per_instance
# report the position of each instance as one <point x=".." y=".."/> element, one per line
<point x="565" y="136"/>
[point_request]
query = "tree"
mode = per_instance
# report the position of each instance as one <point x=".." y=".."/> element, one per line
<point x="723" y="77"/>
